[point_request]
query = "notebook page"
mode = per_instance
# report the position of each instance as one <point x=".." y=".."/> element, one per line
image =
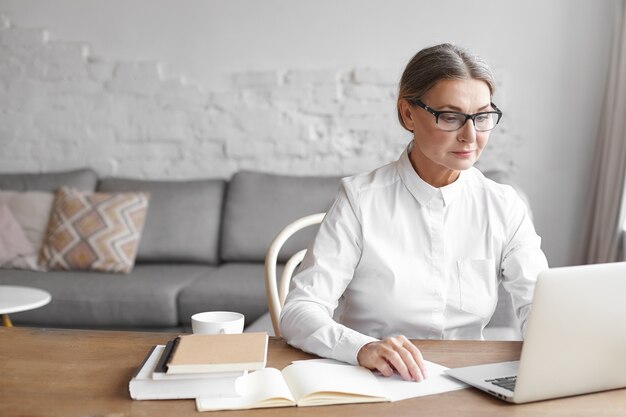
<point x="308" y="377"/>
<point x="398" y="389"/>
<point x="263" y="388"/>
<point x="436" y="383"/>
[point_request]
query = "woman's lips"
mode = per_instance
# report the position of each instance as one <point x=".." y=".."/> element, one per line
<point x="463" y="154"/>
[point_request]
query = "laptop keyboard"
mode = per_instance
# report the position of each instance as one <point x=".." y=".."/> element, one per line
<point x="507" y="382"/>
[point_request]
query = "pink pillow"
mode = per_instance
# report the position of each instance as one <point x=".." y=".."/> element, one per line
<point x="31" y="209"/>
<point x="13" y="240"/>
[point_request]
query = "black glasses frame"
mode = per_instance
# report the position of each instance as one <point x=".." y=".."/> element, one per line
<point x="437" y="113"/>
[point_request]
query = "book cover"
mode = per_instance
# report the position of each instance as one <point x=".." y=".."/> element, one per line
<point x="218" y="353"/>
<point x="143" y="386"/>
<point x="160" y="371"/>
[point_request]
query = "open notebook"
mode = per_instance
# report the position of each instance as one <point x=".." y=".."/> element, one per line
<point x="325" y="382"/>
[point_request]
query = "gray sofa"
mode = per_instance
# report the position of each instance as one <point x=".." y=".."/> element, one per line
<point x="202" y="248"/>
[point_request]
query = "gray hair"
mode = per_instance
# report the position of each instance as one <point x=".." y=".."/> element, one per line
<point x="440" y="62"/>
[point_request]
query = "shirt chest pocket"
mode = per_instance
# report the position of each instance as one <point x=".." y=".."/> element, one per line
<point x="478" y="285"/>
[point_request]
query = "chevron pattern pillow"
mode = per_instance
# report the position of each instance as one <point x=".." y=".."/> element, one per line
<point x="94" y="231"/>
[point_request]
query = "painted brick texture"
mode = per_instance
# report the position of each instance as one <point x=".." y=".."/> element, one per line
<point x="61" y="107"/>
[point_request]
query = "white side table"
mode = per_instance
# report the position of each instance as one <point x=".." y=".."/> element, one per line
<point x="14" y="299"/>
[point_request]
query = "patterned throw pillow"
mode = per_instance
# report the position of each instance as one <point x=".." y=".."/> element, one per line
<point x="94" y="231"/>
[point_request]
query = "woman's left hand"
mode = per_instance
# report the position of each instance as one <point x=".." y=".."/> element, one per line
<point x="394" y="353"/>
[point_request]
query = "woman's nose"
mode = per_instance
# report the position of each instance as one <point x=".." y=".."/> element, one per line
<point x="467" y="133"/>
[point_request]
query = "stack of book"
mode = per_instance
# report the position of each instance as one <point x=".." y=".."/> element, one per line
<point x="193" y="366"/>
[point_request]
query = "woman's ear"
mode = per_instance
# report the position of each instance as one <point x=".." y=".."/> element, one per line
<point x="406" y="112"/>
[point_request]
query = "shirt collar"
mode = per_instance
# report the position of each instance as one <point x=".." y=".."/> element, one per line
<point x="420" y="189"/>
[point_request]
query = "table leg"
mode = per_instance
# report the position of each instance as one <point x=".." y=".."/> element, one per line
<point x="6" y="321"/>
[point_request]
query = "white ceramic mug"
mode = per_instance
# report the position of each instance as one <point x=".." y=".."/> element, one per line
<point x="214" y="322"/>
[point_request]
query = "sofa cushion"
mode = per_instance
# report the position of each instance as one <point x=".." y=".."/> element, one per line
<point x="13" y="241"/>
<point x="84" y="179"/>
<point x="259" y="205"/>
<point x="144" y="298"/>
<point x="183" y="219"/>
<point x="32" y="211"/>
<point x="231" y="287"/>
<point x="94" y="231"/>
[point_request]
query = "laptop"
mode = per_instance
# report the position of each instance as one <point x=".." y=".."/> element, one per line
<point x="575" y="339"/>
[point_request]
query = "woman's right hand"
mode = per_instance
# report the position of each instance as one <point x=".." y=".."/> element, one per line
<point x="395" y="353"/>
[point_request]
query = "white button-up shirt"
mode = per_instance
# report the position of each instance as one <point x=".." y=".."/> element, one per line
<point x="395" y="255"/>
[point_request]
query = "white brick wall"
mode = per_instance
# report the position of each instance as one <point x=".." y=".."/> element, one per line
<point x="61" y="108"/>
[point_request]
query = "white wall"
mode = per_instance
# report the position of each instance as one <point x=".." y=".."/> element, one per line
<point x="321" y="74"/>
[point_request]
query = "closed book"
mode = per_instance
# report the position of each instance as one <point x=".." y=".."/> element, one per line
<point x="160" y="371"/>
<point x="199" y="353"/>
<point x="143" y="386"/>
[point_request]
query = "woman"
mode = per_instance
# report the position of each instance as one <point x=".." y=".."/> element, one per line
<point x="417" y="248"/>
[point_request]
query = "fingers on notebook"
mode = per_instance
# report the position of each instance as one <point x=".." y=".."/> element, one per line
<point x="394" y="354"/>
<point x="417" y="358"/>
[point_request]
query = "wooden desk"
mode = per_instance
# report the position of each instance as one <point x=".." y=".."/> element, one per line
<point x="45" y="372"/>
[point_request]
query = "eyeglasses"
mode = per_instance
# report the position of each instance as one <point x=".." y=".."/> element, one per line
<point x="449" y="121"/>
